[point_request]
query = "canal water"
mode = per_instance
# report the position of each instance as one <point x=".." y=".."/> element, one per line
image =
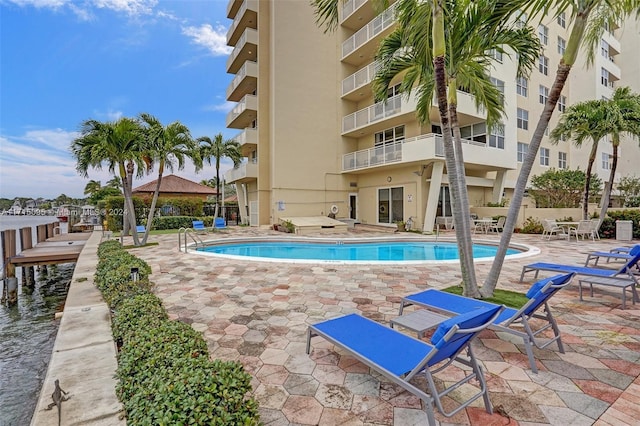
<point x="27" y="332"/>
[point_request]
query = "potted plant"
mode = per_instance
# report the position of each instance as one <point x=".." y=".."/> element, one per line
<point x="401" y="226"/>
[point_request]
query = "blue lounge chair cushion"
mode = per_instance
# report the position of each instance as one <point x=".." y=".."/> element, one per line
<point x="470" y="319"/>
<point x="536" y="287"/>
<point x="386" y="347"/>
<point x="198" y="224"/>
<point x="140" y="229"/>
<point x="219" y="222"/>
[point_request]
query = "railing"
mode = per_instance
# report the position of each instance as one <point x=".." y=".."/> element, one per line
<point x="373" y="113"/>
<point x="248" y="34"/>
<point x="372" y="29"/>
<point x="242" y="171"/>
<point x="394" y="153"/>
<point x="249" y="66"/>
<point x="188" y="231"/>
<point x="244" y="136"/>
<point x="240" y="108"/>
<point x="360" y="78"/>
<point x="351" y="6"/>
<point x="238" y="17"/>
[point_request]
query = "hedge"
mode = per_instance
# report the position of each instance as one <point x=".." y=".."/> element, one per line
<point x="608" y="228"/>
<point x="164" y="371"/>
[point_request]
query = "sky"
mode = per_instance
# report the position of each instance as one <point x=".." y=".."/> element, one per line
<point x="66" y="61"/>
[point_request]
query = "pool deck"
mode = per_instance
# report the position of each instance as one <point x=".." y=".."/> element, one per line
<point x="257" y="313"/>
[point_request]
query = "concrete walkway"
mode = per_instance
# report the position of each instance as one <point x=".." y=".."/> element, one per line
<point x="257" y="313"/>
<point x="84" y="354"/>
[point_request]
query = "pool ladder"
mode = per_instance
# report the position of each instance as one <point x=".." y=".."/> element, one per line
<point x="188" y="231"/>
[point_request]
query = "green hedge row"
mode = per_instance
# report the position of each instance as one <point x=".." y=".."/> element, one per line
<point x="608" y="228"/>
<point x="164" y="371"/>
<point x="177" y="222"/>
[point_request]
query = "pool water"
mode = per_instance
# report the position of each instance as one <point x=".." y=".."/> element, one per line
<point x="396" y="251"/>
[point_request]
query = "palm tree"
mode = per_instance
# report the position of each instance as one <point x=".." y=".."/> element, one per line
<point x="580" y="122"/>
<point x="589" y="20"/>
<point x="114" y="182"/>
<point x="623" y="113"/>
<point x="118" y="145"/>
<point x="165" y="145"/>
<point x="217" y="149"/>
<point x="92" y="187"/>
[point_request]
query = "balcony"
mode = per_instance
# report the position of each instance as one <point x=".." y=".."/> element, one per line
<point x="232" y="8"/>
<point x="244" y="173"/>
<point x="424" y="148"/>
<point x="244" y="113"/>
<point x="360" y="47"/>
<point x="248" y="140"/>
<point x="353" y="87"/>
<point x="246" y="17"/>
<point x="395" y="106"/>
<point x="246" y="50"/>
<point x="245" y="81"/>
<point x="355" y="13"/>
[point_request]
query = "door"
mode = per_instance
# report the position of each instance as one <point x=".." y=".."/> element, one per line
<point x="353" y="202"/>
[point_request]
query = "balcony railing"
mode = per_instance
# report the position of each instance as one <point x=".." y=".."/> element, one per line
<point x="244" y="171"/>
<point x="248" y="68"/>
<point x="248" y="36"/>
<point x="372" y="29"/>
<point x="399" y="152"/>
<point x="351" y="6"/>
<point x="248" y="102"/>
<point x="371" y="114"/>
<point x="360" y="78"/>
<point x="247" y="136"/>
<point x="246" y="4"/>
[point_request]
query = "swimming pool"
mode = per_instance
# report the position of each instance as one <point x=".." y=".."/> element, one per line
<point x="348" y="251"/>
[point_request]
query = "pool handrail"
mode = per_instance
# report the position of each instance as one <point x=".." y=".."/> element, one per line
<point x="188" y="231"/>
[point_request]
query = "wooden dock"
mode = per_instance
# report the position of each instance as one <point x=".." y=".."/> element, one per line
<point x="60" y="248"/>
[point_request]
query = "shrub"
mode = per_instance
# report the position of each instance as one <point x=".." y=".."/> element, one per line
<point x="630" y="214"/>
<point x="141" y="312"/>
<point x="532" y="226"/>
<point x="177" y="222"/>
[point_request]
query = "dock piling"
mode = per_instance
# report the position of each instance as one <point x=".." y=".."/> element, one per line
<point x="8" y="251"/>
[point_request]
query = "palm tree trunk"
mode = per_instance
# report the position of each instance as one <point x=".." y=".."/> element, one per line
<point x="466" y="244"/>
<point x="217" y="183"/>
<point x="154" y="200"/>
<point x="606" y="195"/>
<point x="587" y="181"/>
<point x="129" y="211"/>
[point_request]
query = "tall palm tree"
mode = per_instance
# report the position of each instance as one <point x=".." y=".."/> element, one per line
<point x="92" y="187"/>
<point x="623" y="113"/>
<point x="165" y="145"/>
<point x="471" y="38"/>
<point x="216" y="149"/>
<point x="118" y="145"/>
<point x="589" y="18"/>
<point x="580" y="122"/>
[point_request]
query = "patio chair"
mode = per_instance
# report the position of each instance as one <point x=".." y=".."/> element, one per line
<point x="608" y="255"/>
<point x="539" y="294"/>
<point x="499" y="226"/>
<point x="399" y="357"/>
<point x="219" y="223"/>
<point x="584" y="229"/>
<point x="140" y="229"/>
<point x="595" y="223"/>
<point x="624" y="272"/>
<point x="199" y="228"/>
<point x="550" y="227"/>
<point x="621" y="249"/>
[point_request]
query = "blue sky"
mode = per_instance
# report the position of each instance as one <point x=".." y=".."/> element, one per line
<point x="65" y="61"/>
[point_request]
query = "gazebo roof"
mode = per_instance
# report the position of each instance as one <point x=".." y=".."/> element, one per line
<point x="175" y="184"/>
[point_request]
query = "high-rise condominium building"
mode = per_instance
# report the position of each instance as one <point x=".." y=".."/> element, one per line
<point x="316" y="142"/>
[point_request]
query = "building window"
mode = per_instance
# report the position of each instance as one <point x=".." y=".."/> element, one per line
<point x="393" y="90"/>
<point x="562" y="45"/>
<point x="500" y="86"/>
<point x="496" y="138"/>
<point x="543" y="65"/>
<point x="544" y="156"/>
<point x="605" y="161"/>
<point x="562" y="20"/>
<point x="390" y="205"/>
<point x="476" y="132"/>
<point x="604" y="79"/>
<point x="389" y="136"/>
<point x="562" y="103"/>
<point x="495" y="54"/>
<point x="522" y="86"/>
<point x="521" y="21"/>
<point x="544" y="94"/>
<point x="523" y="119"/>
<point x="522" y="151"/>
<point x="562" y="160"/>
<point x="543" y="34"/>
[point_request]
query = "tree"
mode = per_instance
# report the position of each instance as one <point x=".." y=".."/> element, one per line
<point x="118" y="144"/>
<point x="218" y="148"/>
<point x="165" y="145"/>
<point x="92" y="187"/>
<point x="561" y="188"/>
<point x="629" y="188"/>
<point x="580" y="122"/>
<point x="623" y="117"/>
<point x="589" y="19"/>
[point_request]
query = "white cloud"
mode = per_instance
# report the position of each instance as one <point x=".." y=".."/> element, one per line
<point x="83" y="10"/>
<point x="130" y="7"/>
<point x="224" y="107"/>
<point x="214" y="39"/>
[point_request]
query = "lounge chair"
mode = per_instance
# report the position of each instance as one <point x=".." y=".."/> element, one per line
<point x="140" y="229"/>
<point x="621" y="250"/>
<point x="400" y="357"/>
<point x="199" y="228"/>
<point x="624" y="272"/>
<point x="539" y="295"/>
<point x="608" y="255"/>
<point x="219" y="223"/>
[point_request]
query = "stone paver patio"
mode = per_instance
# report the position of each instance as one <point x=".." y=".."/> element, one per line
<point x="257" y="313"/>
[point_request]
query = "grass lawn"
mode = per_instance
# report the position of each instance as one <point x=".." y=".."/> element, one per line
<point x="508" y="298"/>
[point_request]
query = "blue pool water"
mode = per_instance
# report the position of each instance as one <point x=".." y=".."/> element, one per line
<point x="395" y="251"/>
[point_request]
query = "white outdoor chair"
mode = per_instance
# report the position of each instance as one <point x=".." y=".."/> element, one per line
<point x="499" y="226"/>
<point x="596" y="228"/>
<point x="584" y="229"/>
<point x="549" y="227"/>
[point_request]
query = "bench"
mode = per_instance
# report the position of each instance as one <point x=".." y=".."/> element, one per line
<point x="611" y="282"/>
